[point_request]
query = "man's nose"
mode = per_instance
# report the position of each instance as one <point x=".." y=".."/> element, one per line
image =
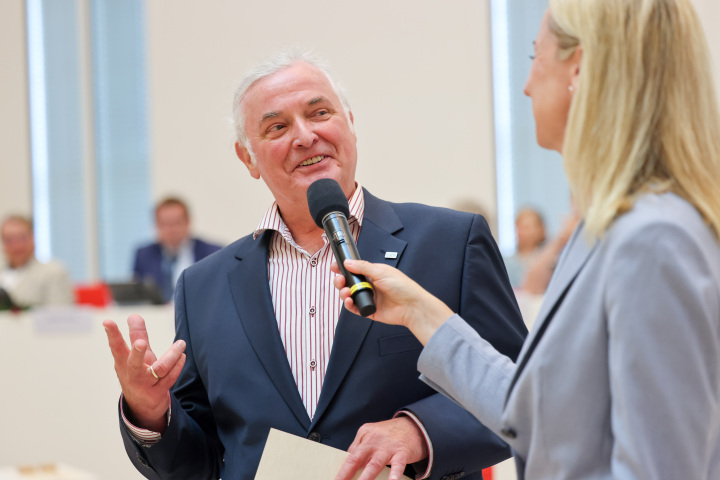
<point x="305" y="135"/>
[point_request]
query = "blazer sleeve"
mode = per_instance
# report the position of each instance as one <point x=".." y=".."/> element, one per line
<point x="487" y="303"/>
<point x="663" y="318"/>
<point x="189" y="448"/>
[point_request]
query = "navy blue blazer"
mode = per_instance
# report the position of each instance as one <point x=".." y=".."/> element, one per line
<point x="237" y="383"/>
<point x="148" y="259"/>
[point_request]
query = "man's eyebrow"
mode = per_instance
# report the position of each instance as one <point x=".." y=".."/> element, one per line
<point x="269" y="115"/>
<point x="317" y="100"/>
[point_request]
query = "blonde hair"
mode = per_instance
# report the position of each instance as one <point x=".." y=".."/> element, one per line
<point x="645" y="115"/>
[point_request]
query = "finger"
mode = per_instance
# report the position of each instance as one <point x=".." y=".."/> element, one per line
<point x="339" y="281"/>
<point x="169" y="380"/>
<point x="167" y="361"/>
<point x="334" y="268"/>
<point x="350" y="305"/>
<point x="118" y="347"/>
<point x="136" y="359"/>
<point x="362" y="267"/>
<point x="138" y="331"/>
<point x="372" y="469"/>
<point x="396" y="471"/>
<point x="352" y="464"/>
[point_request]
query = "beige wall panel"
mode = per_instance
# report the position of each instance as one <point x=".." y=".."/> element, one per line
<point x="15" y="182"/>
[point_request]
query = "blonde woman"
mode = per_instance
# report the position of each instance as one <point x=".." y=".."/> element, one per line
<point x="620" y="377"/>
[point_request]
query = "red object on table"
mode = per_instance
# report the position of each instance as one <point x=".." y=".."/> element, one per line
<point x="96" y="294"/>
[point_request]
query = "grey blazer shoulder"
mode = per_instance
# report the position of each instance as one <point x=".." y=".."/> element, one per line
<point x="624" y="382"/>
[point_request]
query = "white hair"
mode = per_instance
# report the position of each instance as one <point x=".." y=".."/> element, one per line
<point x="286" y="58"/>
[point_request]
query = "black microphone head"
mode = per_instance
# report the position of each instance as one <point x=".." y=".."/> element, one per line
<point x="325" y="196"/>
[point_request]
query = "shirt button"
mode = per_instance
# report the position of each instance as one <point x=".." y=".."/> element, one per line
<point x="313" y="364"/>
<point x="312" y="310"/>
<point x="313" y="262"/>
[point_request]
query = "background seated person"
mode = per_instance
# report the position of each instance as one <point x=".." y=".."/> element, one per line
<point x="530" y="233"/>
<point x="28" y="282"/>
<point x="162" y="262"/>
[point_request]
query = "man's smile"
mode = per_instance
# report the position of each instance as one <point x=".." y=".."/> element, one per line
<point x="312" y="161"/>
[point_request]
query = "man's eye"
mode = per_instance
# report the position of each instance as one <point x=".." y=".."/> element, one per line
<point x="275" y="128"/>
<point x="321" y="113"/>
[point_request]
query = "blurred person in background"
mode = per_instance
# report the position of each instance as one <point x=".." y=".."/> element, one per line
<point x="27" y="281"/>
<point x="163" y="261"/>
<point x="542" y="265"/>
<point x="530" y="233"/>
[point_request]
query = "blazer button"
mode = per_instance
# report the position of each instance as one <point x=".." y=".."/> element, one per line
<point x="314" y="436"/>
<point x="509" y="433"/>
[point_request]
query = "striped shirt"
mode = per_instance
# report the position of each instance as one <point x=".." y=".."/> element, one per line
<point x="306" y="303"/>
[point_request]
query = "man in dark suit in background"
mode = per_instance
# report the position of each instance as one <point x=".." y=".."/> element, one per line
<point x="162" y="262"/>
<point x="262" y="338"/>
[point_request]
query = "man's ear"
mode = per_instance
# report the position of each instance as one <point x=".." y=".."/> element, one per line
<point x="245" y="157"/>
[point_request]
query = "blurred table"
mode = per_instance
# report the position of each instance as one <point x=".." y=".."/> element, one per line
<point x="44" y="472"/>
<point x="58" y="403"/>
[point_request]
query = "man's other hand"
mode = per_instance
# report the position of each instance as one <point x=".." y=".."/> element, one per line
<point x="144" y="378"/>
<point x="397" y="443"/>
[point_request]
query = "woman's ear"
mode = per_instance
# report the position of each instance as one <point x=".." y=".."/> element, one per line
<point x="575" y="62"/>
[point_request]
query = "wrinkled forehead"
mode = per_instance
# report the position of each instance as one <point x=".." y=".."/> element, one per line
<point x="300" y="79"/>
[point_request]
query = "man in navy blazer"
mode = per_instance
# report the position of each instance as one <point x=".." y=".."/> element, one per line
<point x="203" y="409"/>
<point x="162" y="262"/>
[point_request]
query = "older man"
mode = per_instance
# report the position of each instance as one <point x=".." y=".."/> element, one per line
<point x="28" y="282"/>
<point x="266" y="341"/>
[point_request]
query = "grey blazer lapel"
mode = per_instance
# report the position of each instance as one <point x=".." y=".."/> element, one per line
<point x="375" y="240"/>
<point x="253" y="302"/>
<point x="574" y="257"/>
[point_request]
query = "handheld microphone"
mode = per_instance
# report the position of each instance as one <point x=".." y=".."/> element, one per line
<point x="329" y="208"/>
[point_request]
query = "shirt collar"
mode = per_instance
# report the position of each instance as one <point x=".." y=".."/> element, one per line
<point x="185" y="247"/>
<point x="272" y="220"/>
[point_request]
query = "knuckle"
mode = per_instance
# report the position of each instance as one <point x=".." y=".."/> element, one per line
<point x="376" y="463"/>
<point x="354" y="458"/>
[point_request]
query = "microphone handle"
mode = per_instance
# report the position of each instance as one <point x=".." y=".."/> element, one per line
<point x="343" y="247"/>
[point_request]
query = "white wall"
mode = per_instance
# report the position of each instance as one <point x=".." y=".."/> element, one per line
<point x="15" y="181"/>
<point x="417" y="74"/>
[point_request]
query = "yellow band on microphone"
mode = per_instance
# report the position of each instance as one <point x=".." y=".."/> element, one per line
<point x="360" y="286"/>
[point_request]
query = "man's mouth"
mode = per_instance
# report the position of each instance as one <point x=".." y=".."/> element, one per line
<point x="312" y="161"/>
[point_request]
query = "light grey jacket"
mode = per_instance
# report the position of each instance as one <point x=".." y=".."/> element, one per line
<point x="41" y="284"/>
<point x="620" y="376"/>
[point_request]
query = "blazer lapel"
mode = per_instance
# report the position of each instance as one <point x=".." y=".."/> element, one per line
<point x="376" y="244"/>
<point x="253" y="302"/>
<point x="571" y="262"/>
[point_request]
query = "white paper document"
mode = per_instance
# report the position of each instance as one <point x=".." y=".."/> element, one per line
<point x="287" y="456"/>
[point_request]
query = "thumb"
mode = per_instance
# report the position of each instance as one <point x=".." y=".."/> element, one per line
<point x="361" y="267"/>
